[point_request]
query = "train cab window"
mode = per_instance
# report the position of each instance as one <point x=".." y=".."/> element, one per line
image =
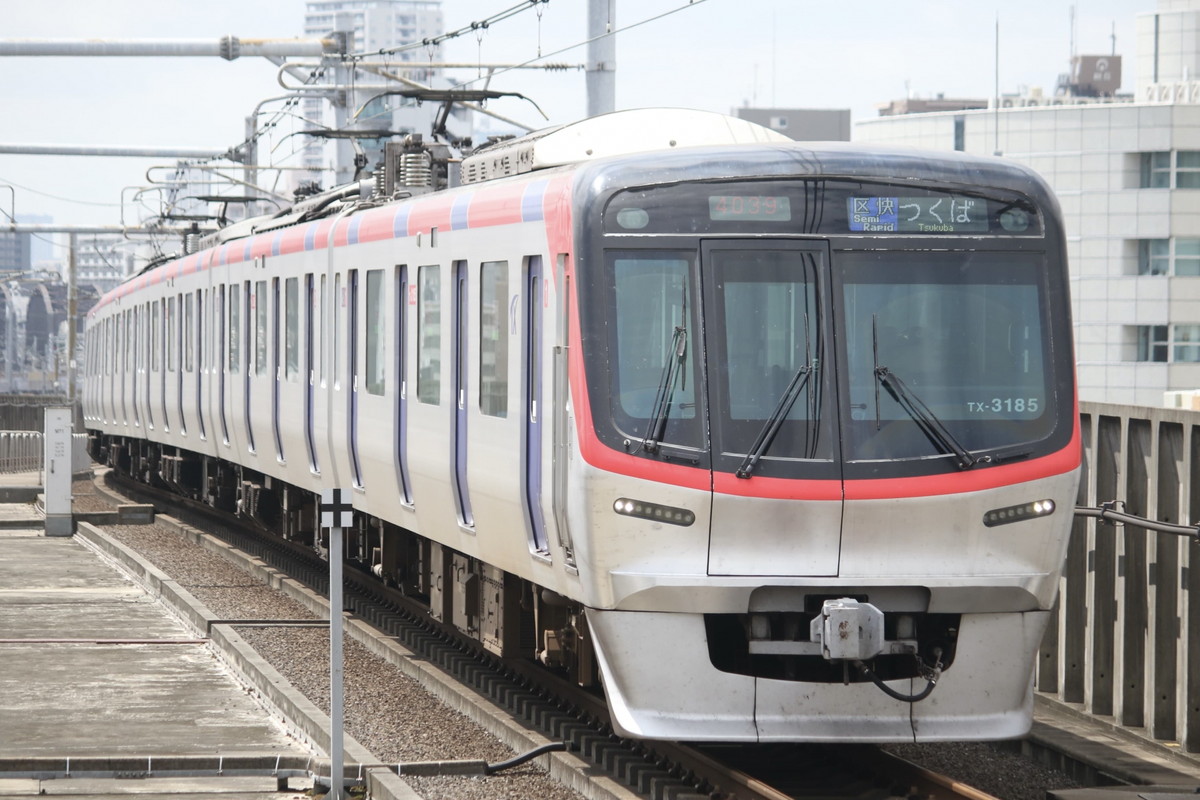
<point x="235" y="328"/>
<point x="493" y="338"/>
<point x="765" y="318"/>
<point x="291" y="326"/>
<point x="949" y="342"/>
<point x="260" y="327"/>
<point x="654" y="349"/>
<point x="376" y="337"/>
<point x="429" y="335"/>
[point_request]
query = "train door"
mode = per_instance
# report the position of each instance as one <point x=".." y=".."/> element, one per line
<point x="562" y="397"/>
<point x="161" y="351"/>
<point x="352" y="338"/>
<point x="310" y="431"/>
<point x="460" y="327"/>
<point x="221" y="363"/>
<point x="401" y="342"/>
<point x="276" y="366"/>
<point x="531" y="450"/>
<point x="135" y="353"/>
<point x="249" y="364"/>
<point x="149" y="354"/>
<point x="771" y="410"/>
<point x="123" y="360"/>
<point x="200" y="365"/>
<point x="182" y="335"/>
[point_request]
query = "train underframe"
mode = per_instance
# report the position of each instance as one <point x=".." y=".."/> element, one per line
<point x="508" y="616"/>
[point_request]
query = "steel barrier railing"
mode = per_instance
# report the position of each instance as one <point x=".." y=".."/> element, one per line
<point x="22" y="451"/>
<point x="1121" y="644"/>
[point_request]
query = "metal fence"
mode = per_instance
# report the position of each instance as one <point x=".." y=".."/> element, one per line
<point x="26" y="412"/>
<point x="23" y="451"/>
<point x="1121" y="644"/>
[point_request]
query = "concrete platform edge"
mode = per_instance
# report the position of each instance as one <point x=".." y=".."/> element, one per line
<point x="1131" y="758"/>
<point x="309" y="723"/>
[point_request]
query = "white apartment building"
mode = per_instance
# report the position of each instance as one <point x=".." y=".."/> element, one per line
<point x="1127" y="174"/>
<point x="104" y="260"/>
<point x="377" y="25"/>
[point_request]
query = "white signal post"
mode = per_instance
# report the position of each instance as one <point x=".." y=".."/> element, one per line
<point x="337" y="513"/>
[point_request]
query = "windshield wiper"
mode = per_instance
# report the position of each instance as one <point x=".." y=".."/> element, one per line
<point x="926" y="420"/>
<point x="666" y="390"/>
<point x="775" y="421"/>
<point x="929" y="424"/>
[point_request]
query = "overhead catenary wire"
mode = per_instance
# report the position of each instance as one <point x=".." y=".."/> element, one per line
<point x="472" y="27"/>
<point x="585" y="42"/>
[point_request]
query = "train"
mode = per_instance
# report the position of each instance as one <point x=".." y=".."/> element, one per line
<point x="769" y="440"/>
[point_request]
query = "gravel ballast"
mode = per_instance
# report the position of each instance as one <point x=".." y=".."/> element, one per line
<point x="386" y="711"/>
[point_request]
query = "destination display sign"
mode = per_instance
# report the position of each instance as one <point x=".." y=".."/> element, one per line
<point x="946" y="214"/>
<point x="820" y="207"/>
<point x="727" y="207"/>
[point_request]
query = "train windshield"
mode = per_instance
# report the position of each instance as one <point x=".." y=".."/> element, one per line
<point x="654" y="349"/>
<point x="765" y="341"/>
<point x="945" y="354"/>
<point x="791" y="359"/>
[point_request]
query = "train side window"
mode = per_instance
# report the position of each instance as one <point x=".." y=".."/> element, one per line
<point x="260" y="327"/>
<point x="321" y="333"/>
<point x="376" y="355"/>
<point x="189" y="339"/>
<point x="429" y="335"/>
<point x="291" y="324"/>
<point x="338" y="300"/>
<point x="169" y="322"/>
<point x="493" y="338"/>
<point x="235" y="328"/>
<point x="155" y="321"/>
<point x="201" y="328"/>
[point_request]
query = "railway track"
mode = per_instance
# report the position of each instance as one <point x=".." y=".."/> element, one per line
<point x="561" y="711"/>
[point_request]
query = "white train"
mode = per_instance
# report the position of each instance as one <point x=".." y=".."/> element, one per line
<point x="778" y="441"/>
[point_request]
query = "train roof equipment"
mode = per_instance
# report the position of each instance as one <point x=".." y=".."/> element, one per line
<point x="618" y="133"/>
<point x="419" y="165"/>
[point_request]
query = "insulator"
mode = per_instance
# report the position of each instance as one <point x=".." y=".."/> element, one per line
<point x="415" y="170"/>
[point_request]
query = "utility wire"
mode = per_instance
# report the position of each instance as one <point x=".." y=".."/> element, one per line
<point x="622" y="29"/>
<point x="472" y="27"/>
<point x="59" y="197"/>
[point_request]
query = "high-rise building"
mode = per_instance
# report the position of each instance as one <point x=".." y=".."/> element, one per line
<point x="103" y="260"/>
<point x="1126" y="170"/>
<point x="377" y="25"/>
<point x="15" y="252"/>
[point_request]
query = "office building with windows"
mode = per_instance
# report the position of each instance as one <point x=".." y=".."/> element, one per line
<point x="1126" y="170"/>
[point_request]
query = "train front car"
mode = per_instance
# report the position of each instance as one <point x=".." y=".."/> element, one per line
<point x="829" y="438"/>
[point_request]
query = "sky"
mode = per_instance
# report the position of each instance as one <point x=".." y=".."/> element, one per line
<point x="708" y="54"/>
